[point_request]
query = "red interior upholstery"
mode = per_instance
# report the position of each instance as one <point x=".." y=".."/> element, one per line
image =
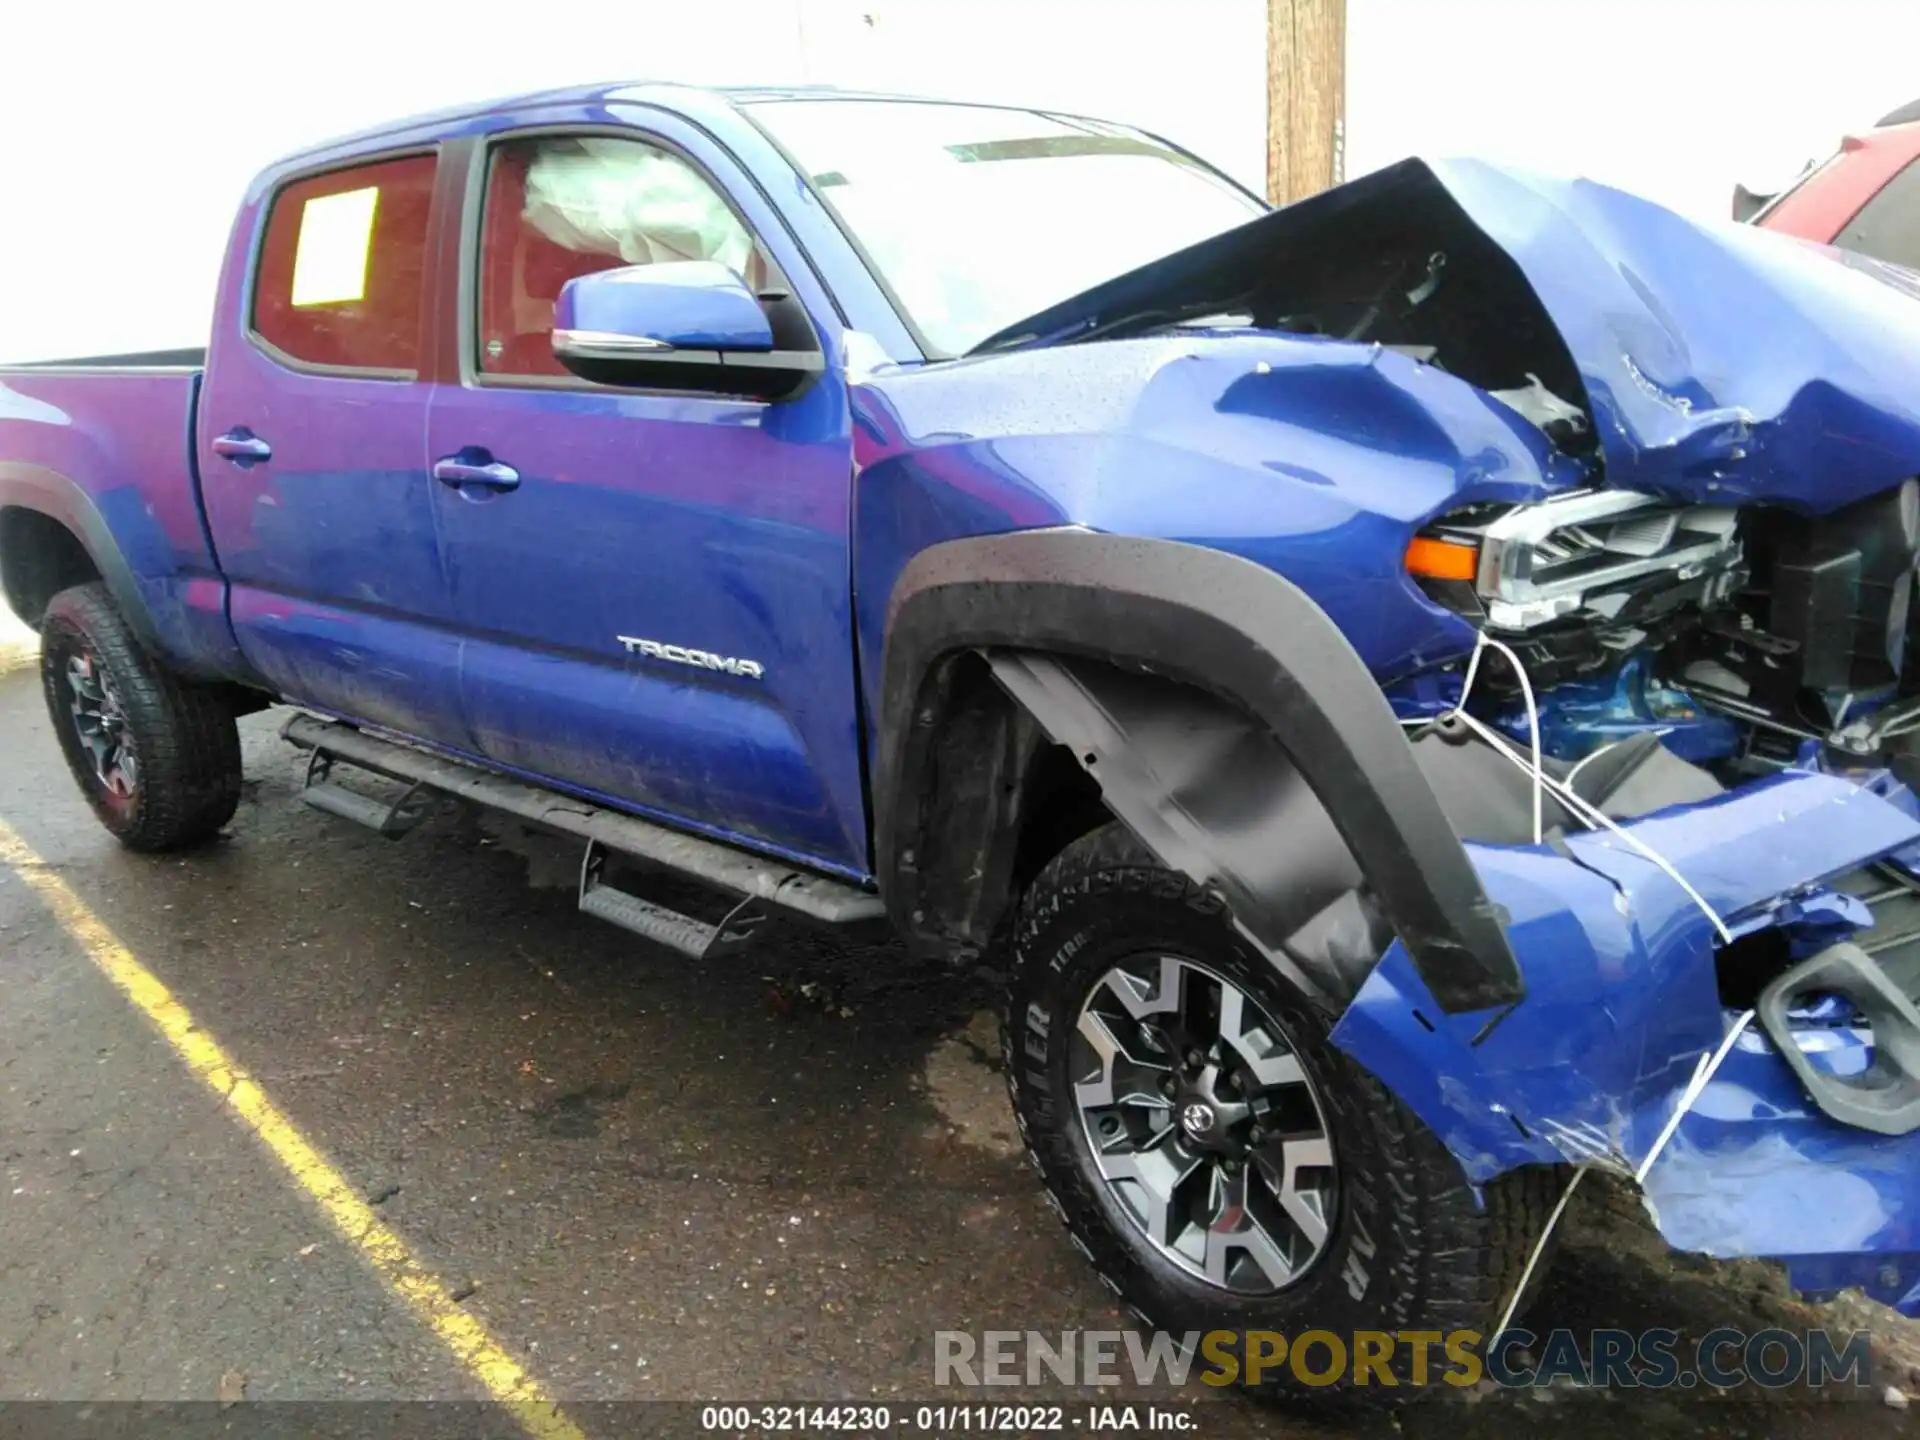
<point x="380" y="330"/>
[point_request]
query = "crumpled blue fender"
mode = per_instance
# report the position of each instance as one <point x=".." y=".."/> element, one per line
<point x="1623" y="1001"/>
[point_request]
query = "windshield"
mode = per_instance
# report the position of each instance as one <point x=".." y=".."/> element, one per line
<point x="977" y="217"/>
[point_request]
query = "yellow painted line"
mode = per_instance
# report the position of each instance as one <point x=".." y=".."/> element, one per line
<point x="477" y="1352"/>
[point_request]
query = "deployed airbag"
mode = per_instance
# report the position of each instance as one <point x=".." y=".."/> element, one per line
<point x="615" y="197"/>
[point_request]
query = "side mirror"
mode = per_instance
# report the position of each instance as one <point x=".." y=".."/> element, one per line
<point x="681" y="325"/>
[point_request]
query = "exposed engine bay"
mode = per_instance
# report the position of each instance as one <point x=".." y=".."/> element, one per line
<point x="1743" y="633"/>
<point x="1672" y="652"/>
<point x="1738" y="632"/>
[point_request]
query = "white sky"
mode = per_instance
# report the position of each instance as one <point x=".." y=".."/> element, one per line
<point x="128" y="131"/>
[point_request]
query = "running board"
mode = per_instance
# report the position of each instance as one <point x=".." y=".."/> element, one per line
<point x="761" y="882"/>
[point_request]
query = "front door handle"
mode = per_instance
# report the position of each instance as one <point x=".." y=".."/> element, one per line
<point x="475" y="467"/>
<point x="242" y="447"/>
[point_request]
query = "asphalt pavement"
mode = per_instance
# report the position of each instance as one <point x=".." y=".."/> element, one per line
<point x="767" y="1179"/>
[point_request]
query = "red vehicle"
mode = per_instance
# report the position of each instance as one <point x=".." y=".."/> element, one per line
<point x="1866" y="198"/>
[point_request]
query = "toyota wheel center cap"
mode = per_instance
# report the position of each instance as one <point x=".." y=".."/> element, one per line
<point x="1197" y="1118"/>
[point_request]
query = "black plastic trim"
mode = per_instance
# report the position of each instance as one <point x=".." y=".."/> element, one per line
<point x="49" y="493"/>
<point x="1227" y="626"/>
<point x="1886" y="1099"/>
<point x="756" y="375"/>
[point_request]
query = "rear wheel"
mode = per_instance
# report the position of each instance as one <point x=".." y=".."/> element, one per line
<point x="157" y="756"/>
<point x="1208" y="1147"/>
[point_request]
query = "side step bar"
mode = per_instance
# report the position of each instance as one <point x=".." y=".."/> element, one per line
<point x="658" y="923"/>
<point x="762" y="883"/>
<point x="389" y="819"/>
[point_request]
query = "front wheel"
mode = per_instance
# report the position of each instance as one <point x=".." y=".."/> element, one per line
<point x="157" y="756"/>
<point x="1211" y="1151"/>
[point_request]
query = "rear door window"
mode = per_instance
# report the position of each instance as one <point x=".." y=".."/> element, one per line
<point x="342" y="268"/>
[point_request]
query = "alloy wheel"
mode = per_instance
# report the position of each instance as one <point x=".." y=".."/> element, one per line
<point x="1204" y="1124"/>
<point x="101" y="723"/>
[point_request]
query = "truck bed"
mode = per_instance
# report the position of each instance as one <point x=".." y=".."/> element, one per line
<point x="104" y="445"/>
<point x="192" y="358"/>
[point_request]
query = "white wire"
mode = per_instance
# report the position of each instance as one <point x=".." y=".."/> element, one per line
<point x="1539" y="1249"/>
<point x="1533" y="731"/>
<point x="1709" y="1063"/>
<point x="1562" y="791"/>
<point x="1703" y="1073"/>
<point x="1702" y="1077"/>
<point x="1481" y="645"/>
<point x="1596" y="820"/>
<point x="1574" y="773"/>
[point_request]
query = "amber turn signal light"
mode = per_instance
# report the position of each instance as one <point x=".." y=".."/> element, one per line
<point x="1442" y="559"/>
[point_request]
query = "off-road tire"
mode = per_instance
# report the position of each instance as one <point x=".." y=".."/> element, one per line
<point x="1410" y="1247"/>
<point x="181" y="734"/>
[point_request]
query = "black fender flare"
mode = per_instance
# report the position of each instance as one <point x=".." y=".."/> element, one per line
<point x="1227" y="626"/>
<point x="49" y="493"/>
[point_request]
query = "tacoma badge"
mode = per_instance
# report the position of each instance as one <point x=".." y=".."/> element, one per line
<point x="685" y="655"/>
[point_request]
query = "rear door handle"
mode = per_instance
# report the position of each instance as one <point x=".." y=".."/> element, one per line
<point x="475" y="467"/>
<point x="242" y="446"/>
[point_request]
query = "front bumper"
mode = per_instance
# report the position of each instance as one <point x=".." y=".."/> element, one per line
<point x="1622" y="1001"/>
<point x="1757" y="1169"/>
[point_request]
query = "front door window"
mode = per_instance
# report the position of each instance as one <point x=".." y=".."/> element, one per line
<point x="558" y="207"/>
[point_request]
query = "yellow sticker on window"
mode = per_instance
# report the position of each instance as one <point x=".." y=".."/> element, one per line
<point x="336" y="237"/>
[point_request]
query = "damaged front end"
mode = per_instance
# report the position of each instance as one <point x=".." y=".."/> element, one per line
<point x="1677" y="736"/>
<point x="1795" y="895"/>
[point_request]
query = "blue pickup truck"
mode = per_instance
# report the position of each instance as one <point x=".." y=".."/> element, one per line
<point x="1415" y="689"/>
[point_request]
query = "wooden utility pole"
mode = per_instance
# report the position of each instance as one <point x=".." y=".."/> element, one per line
<point x="1306" y="97"/>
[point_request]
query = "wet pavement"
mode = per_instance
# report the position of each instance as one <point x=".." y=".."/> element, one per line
<point x="772" y="1178"/>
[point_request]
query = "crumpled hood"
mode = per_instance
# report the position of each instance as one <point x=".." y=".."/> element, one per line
<point x="1716" y="362"/>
